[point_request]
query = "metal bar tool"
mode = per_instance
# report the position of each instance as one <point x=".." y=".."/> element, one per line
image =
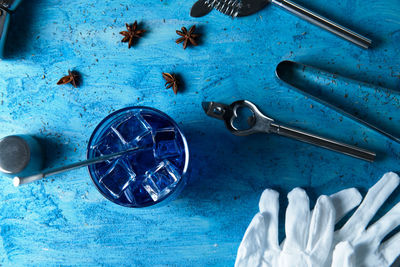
<point x="240" y="8"/>
<point x="17" y="181"/>
<point x="259" y="123"/>
<point x="298" y="76"/>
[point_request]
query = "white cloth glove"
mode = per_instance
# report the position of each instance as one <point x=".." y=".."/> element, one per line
<point x="358" y="245"/>
<point x="354" y="245"/>
<point x="309" y="235"/>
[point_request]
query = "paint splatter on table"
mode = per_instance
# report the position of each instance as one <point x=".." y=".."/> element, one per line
<point x="65" y="221"/>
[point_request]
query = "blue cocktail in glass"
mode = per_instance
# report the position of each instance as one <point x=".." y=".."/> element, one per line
<point x="147" y="176"/>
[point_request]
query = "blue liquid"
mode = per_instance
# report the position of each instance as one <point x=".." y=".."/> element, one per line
<point x="144" y="177"/>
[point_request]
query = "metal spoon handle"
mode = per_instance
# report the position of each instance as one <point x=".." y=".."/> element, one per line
<point x="324" y="23"/>
<point x="323" y="142"/>
<point x="17" y="181"/>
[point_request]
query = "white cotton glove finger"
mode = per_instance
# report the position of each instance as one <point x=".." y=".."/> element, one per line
<point x="374" y="199"/>
<point x="322" y="226"/>
<point x="343" y="255"/>
<point x="384" y="225"/>
<point x="344" y="201"/>
<point x="269" y="203"/>
<point x="253" y="245"/>
<point x="390" y="249"/>
<point x="297" y="220"/>
<point x="257" y="241"/>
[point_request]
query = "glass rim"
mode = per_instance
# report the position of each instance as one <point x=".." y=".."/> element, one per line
<point x="121" y="111"/>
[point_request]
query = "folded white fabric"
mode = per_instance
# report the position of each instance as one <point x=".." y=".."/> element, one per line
<point x="310" y="238"/>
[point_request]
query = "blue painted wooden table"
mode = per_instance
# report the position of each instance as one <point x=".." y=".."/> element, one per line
<point x="65" y="221"/>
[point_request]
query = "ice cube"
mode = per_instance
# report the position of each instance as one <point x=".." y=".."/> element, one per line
<point x="110" y="143"/>
<point x="135" y="131"/>
<point x="103" y="167"/>
<point x="137" y="195"/>
<point x="156" y="122"/>
<point x="161" y="180"/>
<point x="118" y="178"/>
<point x="166" y="144"/>
<point x="179" y="161"/>
<point x="129" y="195"/>
<point x="145" y="141"/>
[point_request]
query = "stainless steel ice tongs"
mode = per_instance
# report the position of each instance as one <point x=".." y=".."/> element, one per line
<point x="287" y="70"/>
<point x="259" y="123"/>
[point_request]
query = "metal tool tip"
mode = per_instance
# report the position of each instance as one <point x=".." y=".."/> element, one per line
<point x="200" y="8"/>
<point x="16" y="181"/>
<point x="205" y="106"/>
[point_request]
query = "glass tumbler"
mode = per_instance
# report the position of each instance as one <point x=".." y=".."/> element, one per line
<point x="154" y="173"/>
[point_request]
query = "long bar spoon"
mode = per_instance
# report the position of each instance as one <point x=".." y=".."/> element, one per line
<point x="17" y="181"/>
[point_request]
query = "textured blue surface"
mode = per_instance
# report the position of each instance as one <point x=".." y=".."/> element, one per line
<point x="65" y="221"/>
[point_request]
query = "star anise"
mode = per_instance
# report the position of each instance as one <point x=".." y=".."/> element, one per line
<point x="187" y="36"/>
<point x="71" y="78"/>
<point x="132" y="33"/>
<point x="171" y="81"/>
